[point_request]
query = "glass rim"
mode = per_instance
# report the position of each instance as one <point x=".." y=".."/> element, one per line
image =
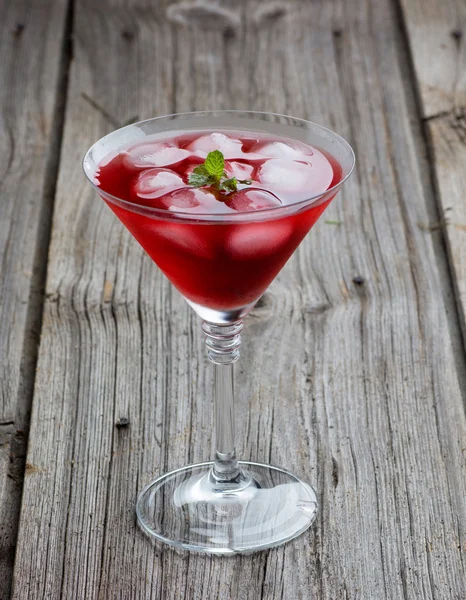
<point x="243" y="216"/>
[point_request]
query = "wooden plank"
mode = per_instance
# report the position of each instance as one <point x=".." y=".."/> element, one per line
<point x="443" y="107"/>
<point x="31" y="71"/>
<point x="353" y="386"/>
<point x="10" y="493"/>
<point x="447" y="139"/>
<point x="436" y="31"/>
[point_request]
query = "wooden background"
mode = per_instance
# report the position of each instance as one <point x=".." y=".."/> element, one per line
<point x="355" y="384"/>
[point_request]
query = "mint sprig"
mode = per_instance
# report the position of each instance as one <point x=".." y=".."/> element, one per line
<point x="212" y="174"/>
<point x="215" y="164"/>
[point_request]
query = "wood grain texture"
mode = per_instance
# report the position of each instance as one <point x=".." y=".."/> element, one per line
<point x="31" y="61"/>
<point x="437" y="36"/>
<point x="448" y="143"/>
<point x="355" y="387"/>
<point x="442" y="25"/>
<point x="11" y="476"/>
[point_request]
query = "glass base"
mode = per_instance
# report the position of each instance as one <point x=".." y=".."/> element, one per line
<point x="190" y="509"/>
<point x="221" y="317"/>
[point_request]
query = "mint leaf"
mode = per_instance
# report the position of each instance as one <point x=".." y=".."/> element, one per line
<point x="212" y="174"/>
<point x="201" y="170"/>
<point x="228" y="185"/>
<point x="198" y="179"/>
<point x="215" y="164"/>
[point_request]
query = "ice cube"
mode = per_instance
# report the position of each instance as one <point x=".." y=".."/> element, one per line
<point x="186" y="237"/>
<point x="176" y="200"/>
<point x="231" y="148"/>
<point x="249" y="241"/>
<point x="189" y="169"/>
<point x="300" y="178"/>
<point x="193" y="200"/>
<point x="252" y="199"/>
<point x="154" y="154"/>
<point x="153" y="183"/>
<point x="184" y="199"/>
<point x="239" y="170"/>
<point x="276" y="149"/>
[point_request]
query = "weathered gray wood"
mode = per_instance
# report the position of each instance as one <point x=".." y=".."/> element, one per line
<point x="437" y="30"/>
<point x="447" y="138"/>
<point x="446" y="131"/>
<point x="10" y="493"/>
<point x="354" y="387"/>
<point x="31" y="69"/>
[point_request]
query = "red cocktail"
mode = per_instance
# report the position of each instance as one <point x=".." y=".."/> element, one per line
<point x="220" y="264"/>
<point x="220" y="201"/>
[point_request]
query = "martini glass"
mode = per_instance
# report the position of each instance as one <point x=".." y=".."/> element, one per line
<point x="225" y="506"/>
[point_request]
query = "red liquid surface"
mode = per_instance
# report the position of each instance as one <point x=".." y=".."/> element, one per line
<point x="220" y="265"/>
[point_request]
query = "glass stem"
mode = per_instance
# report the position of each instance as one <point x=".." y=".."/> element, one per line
<point x="223" y="343"/>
